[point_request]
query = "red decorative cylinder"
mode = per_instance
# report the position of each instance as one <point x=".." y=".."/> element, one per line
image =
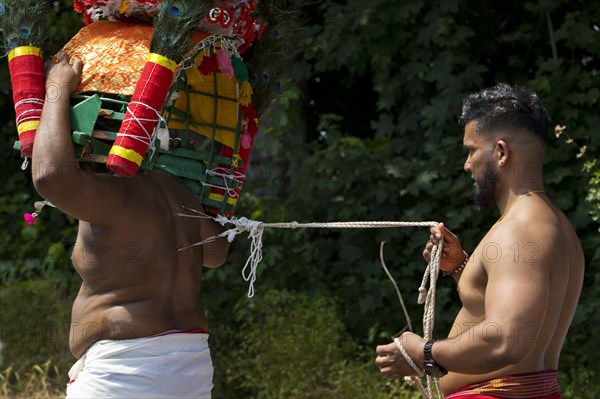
<point x="26" y="67"/>
<point x="142" y="116"/>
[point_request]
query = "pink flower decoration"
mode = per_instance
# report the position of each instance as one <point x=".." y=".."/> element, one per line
<point x="225" y="64"/>
<point x="29" y="218"/>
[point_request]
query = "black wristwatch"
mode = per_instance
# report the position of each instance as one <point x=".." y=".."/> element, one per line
<point x="430" y="367"/>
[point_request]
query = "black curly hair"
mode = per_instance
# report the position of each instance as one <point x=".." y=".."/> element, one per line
<point x="506" y="107"/>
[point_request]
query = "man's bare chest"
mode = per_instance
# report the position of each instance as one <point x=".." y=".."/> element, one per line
<point x="471" y="286"/>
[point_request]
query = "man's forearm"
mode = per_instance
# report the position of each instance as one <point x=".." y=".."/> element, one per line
<point x="54" y="166"/>
<point x="486" y="347"/>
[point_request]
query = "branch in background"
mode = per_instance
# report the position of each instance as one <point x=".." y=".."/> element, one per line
<point x="560" y="131"/>
<point x="551" y="34"/>
<point x="592" y="167"/>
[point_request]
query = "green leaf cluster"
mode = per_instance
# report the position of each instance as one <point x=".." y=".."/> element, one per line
<point x="294" y="346"/>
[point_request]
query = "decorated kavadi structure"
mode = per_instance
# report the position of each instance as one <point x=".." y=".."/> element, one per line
<point x="165" y="85"/>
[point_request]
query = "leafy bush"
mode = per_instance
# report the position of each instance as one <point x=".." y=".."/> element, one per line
<point x="34" y="327"/>
<point x="291" y="345"/>
<point x="39" y="382"/>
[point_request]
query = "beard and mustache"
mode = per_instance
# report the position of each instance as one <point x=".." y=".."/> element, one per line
<point x="484" y="188"/>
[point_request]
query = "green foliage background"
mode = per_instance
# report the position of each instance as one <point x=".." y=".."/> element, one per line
<point x="369" y="133"/>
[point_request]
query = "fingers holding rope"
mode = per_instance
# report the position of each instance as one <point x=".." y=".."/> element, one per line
<point x="393" y="364"/>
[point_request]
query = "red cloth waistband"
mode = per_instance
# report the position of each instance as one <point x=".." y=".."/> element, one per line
<point x="534" y="385"/>
<point x="478" y="396"/>
<point x="171" y="332"/>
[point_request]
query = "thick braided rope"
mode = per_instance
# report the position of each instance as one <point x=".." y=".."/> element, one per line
<point x="255" y="230"/>
<point x="347" y="225"/>
<point x="427" y="298"/>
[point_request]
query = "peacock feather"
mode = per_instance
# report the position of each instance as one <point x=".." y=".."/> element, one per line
<point x="271" y="58"/>
<point x="22" y="23"/>
<point x="175" y="25"/>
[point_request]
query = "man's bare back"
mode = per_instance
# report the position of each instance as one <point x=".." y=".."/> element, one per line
<point x="135" y="281"/>
<point x="536" y="238"/>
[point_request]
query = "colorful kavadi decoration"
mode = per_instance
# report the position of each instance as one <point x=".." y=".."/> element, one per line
<point x="166" y="86"/>
<point x="176" y="23"/>
<point x="22" y="26"/>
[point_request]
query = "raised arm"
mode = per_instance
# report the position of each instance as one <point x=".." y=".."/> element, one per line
<point x="453" y="257"/>
<point x="56" y="175"/>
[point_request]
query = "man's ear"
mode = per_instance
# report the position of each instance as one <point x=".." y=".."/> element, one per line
<point x="502" y="152"/>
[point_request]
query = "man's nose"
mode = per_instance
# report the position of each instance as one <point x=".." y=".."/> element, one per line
<point x="467" y="166"/>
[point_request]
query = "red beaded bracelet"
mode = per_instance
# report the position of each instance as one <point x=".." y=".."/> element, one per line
<point x="459" y="268"/>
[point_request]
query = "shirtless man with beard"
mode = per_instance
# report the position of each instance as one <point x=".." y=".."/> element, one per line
<point x="520" y="286"/>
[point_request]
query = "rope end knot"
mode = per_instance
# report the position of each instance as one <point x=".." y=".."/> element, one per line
<point x="422" y="295"/>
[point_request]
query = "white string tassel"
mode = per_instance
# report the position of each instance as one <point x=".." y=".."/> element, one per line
<point x="249" y="270"/>
<point x="255" y="231"/>
<point x="39" y="205"/>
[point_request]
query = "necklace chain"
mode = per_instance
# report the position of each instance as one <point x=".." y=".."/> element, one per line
<point x="517" y="200"/>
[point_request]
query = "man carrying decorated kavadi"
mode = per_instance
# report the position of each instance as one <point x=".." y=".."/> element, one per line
<point x="147" y="116"/>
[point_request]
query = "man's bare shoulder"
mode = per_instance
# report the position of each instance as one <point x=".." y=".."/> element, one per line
<point x="512" y="230"/>
<point x="531" y="237"/>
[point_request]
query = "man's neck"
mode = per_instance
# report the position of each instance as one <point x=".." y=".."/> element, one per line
<point x="507" y="198"/>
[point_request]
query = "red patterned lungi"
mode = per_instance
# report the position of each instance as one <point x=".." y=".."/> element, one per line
<point x="536" y="385"/>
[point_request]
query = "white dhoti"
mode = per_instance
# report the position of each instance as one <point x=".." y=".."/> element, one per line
<point x="170" y="365"/>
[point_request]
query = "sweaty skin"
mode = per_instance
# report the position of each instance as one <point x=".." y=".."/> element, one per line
<point x="521" y="285"/>
<point x="135" y="282"/>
